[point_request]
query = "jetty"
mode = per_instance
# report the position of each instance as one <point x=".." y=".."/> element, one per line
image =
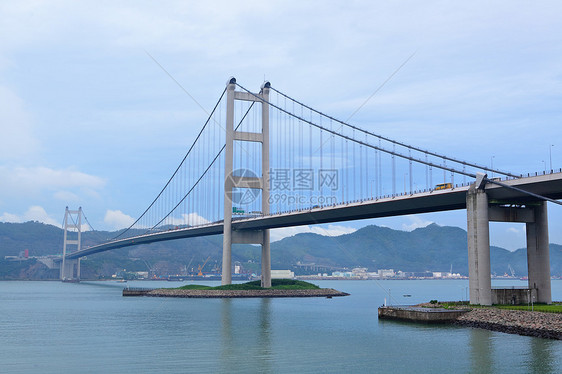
<point x="420" y="314"/>
<point x="521" y="322"/>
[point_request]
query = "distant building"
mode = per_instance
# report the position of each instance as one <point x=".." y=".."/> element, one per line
<point x="386" y="273"/>
<point x="360" y="273"/>
<point x="342" y="274"/>
<point x="282" y="274"/>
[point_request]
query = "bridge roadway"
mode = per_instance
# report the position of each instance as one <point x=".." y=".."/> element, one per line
<point x="549" y="185"/>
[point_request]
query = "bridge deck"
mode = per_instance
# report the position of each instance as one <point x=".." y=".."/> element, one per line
<point x="549" y="185"/>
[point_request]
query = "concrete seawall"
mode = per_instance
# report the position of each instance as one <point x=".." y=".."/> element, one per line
<point x="136" y="291"/>
<point x="419" y="314"/>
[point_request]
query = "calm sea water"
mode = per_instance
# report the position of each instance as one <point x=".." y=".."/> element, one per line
<point x="53" y="327"/>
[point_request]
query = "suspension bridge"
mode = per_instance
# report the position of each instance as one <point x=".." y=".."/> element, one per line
<point x="265" y="160"/>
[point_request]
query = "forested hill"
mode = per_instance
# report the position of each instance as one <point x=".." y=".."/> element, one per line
<point x="432" y="248"/>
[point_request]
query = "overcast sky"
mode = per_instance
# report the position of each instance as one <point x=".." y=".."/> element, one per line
<point x="88" y="119"/>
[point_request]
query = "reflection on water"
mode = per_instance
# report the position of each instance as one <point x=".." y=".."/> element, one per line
<point x="227" y="346"/>
<point x="244" y="333"/>
<point x="264" y="336"/>
<point x="542" y="357"/>
<point x="481" y="351"/>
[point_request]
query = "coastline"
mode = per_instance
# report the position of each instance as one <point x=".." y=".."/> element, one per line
<point x="520" y="322"/>
<point x="537" y="324"/>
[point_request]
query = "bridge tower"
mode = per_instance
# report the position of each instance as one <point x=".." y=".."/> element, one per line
<point x="239" y="179"/>
<point x="70" y="269"/>
<point x="480" y="211"/>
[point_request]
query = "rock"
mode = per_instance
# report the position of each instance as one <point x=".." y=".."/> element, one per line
<point x="538" y="324"/>
<point x="171" y="292"/>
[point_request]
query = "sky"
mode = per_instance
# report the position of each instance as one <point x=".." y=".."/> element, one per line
<point x="87" y="117"/>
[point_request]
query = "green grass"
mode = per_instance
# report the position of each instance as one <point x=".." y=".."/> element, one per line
<point x="553" y="308"/>
<point x="195" y="287"/>
<point x="276" y="284"/>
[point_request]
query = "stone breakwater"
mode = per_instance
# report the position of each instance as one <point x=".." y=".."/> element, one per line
<point x="538" y="324"/>
<point x="268" y="293"/>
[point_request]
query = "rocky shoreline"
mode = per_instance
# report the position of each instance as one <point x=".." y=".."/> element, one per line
<point x="215" y="294"/>
<point x="537" y="324"/>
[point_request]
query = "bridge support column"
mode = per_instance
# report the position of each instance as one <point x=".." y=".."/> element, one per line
<point x="478" y="230"/>
<point x="240" y="179"/>
<point x="70" y="271"/>
<point x="265" y="261"/>
<point x="538" y="254"/>
<point x="480" y="213"/>
<point x="70" y="268"/>
<point x="228" y="185"/>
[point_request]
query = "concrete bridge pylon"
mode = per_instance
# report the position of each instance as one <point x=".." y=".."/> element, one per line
<point x="241" y="179"/>
<point x="480" y="211"/>
<point x="70" y="268"/>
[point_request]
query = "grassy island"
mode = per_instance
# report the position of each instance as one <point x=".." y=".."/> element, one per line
<point x="279" y="288"/>
<point x="276" y="284"/>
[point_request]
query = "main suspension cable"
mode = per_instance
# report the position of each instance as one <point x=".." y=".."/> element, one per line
<point x="442" y="167"/>
<point x="397" y="142"/>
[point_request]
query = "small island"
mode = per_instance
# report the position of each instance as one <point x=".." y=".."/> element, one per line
<point x="279" y="288"/>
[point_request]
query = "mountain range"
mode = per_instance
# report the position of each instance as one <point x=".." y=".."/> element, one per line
<point x="431" y="248"/>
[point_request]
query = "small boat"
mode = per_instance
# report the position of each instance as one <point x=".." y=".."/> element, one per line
<point x="407" y="295"/>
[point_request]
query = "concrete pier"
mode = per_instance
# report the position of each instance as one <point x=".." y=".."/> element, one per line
<point x="538" y="254"/>
<point x="70" y="270"/>
<point x="480" y="211"/>
<point x="420" y="314"/>
<point x="478" y="229"/>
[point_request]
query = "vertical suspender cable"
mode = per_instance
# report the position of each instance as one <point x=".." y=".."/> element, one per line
<point x="410" y="154"/>
<point x="354" y="169"/>
<point x="393" y="171"/>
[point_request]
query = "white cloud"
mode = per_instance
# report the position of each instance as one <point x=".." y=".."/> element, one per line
<point x="513" y="230"/>
<point x="415" y="223"/>
<point x="34" y="213"/>
<point x="330" y="230"/>
<point x="9" y="217"/>
<point x="25" y="180"/>
<point x="117" y="219"/>
<point x="192" y="219"/>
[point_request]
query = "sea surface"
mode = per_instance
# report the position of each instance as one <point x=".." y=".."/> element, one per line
<point x="54" y="327"/>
